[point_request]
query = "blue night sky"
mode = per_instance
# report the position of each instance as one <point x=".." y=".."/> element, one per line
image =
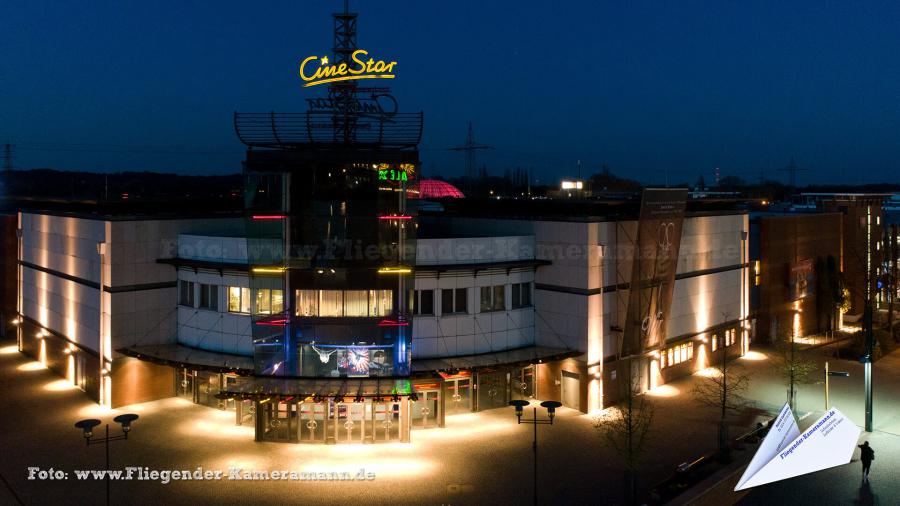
<point x="644" y="87"/>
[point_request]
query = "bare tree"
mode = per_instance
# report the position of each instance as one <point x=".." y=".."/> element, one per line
<point x="794" y="368"/>
<point x="626" y="428"/>
<point x="722" y="388"/>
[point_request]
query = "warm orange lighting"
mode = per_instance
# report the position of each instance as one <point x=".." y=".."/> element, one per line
<point x="70" y="368"/>
<point x="663" y="391"/>
<point x="8" y="350"/>
<point x="31" y="366"/>
<point x="754" y="356"/>
<point x="709" y="372"/>
<point x="702" y="360"/>
<point x="59" y="385"/>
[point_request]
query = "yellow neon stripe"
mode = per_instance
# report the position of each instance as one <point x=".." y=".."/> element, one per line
<point x="268" y="270"/>
<point x="349" y="78"/>
<point x="394" y="270"/>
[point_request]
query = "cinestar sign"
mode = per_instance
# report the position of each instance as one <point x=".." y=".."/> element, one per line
<point x="358" y="68"/>
<point x="786" y="453"/>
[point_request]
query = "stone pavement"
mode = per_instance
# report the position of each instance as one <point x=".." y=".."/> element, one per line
<point x="479" y="458"/>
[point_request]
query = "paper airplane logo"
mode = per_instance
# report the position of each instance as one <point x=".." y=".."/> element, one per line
<point x="786" y="453"/>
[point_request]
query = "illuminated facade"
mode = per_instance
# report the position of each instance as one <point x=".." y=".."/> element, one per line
<point x="229" y="313"/>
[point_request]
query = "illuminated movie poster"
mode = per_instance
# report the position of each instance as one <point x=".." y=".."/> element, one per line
<point x="358" y="361"/>
<point x="653" y="272"/>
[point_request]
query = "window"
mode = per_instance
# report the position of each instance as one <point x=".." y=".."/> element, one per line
<point x="676" y="355"/>
<point x="269" y="301"/>
<point x="521" y="295"/>
<point x="485" y="299"/>
<point x="356" y="303"/>
<point x="453" y="300"/>
<point x="263" y="301"/>
<point x="462" y="300"/>
<point x="209" y="297"/>
<point x="381" y="302"/>
<point x="729" y="337"/>
<point x="493" y="298"/>
<point x="499" y="298"/>
<point x="423" y="302"/>
<point x="726" y="339"/>
<point x="238" y="299"/>
<point x="307" y="303"/>
<point x="277" y="301"/>
<point x="331" y="303"/>
<point x="186" y="293"/>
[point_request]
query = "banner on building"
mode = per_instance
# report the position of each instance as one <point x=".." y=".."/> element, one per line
<point x="801" y="279"/>
<point x="653" y="271"/>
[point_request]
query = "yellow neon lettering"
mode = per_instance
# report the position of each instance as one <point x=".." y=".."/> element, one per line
<point x="302" y="75"/>
<point x="362" y="66"/>
<point x="358" y="69"/>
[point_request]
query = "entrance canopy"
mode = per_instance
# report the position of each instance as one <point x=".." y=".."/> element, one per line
<point x="181" y="356"/>
<point x="318" y="389"/>
<point x="516" y="357"/>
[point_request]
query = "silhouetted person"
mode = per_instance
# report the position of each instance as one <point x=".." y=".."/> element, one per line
<point x="866" y="455"/>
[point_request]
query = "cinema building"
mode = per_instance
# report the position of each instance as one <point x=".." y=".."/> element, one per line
<point x="227" y="312"/>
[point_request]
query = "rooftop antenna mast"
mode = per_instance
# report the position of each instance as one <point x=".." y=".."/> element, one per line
<point x="792" y="170"/>
<point x="469" y="148"/>
<point x="343" y="93"/>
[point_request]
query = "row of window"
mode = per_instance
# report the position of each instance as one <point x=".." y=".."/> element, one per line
<point x="455" y="300"/>
<point x="728" y="338"/>
<point x="683" y="352"/>
<point x="239" y="299"/>
<point x="344" y="302"/>
<point x="354" y="303"/>
<point x="676" y="355"/>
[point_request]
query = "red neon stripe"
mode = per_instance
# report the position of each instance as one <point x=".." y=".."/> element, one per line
<point x="273" y="323"/>
<point x="395" y="217"/>
<point x="269" y="216"/>
<point x="392" y="323"/>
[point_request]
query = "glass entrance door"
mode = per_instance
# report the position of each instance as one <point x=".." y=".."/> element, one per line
<point x="459" y="398"/>
<point x="350" y="422"/>
<point x="311" y="428"/>
<point x="522" y="383"/>
<point x="279" y="420"/>
<point x="386" y="421"/>
<point x="185" y="384"/>
<point x="425" y="410"/>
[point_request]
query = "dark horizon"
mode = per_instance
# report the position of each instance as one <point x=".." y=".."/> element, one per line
<point x="642" y="88"/>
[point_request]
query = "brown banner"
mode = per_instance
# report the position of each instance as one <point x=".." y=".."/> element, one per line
<point x="653" y="272"/>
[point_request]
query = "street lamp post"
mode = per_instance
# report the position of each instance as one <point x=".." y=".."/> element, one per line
<point x="828" y="374"/>
<point x="867" y="362"/>
<point x="87" y="426"/>
<point x="551" y="413"/>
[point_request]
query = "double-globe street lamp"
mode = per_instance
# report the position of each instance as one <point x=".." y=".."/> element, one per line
<point x="551" y="413"/>
<point x="87" y="426"/>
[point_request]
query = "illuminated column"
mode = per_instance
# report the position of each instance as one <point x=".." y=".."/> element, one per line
<point x="19" y="281"/>
<point x="595" y="344"/>
<point x="105" y="341"/>
<point x="743" y="322"/>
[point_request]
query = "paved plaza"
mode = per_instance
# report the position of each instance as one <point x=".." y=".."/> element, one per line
<point x="479" y="458"/>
